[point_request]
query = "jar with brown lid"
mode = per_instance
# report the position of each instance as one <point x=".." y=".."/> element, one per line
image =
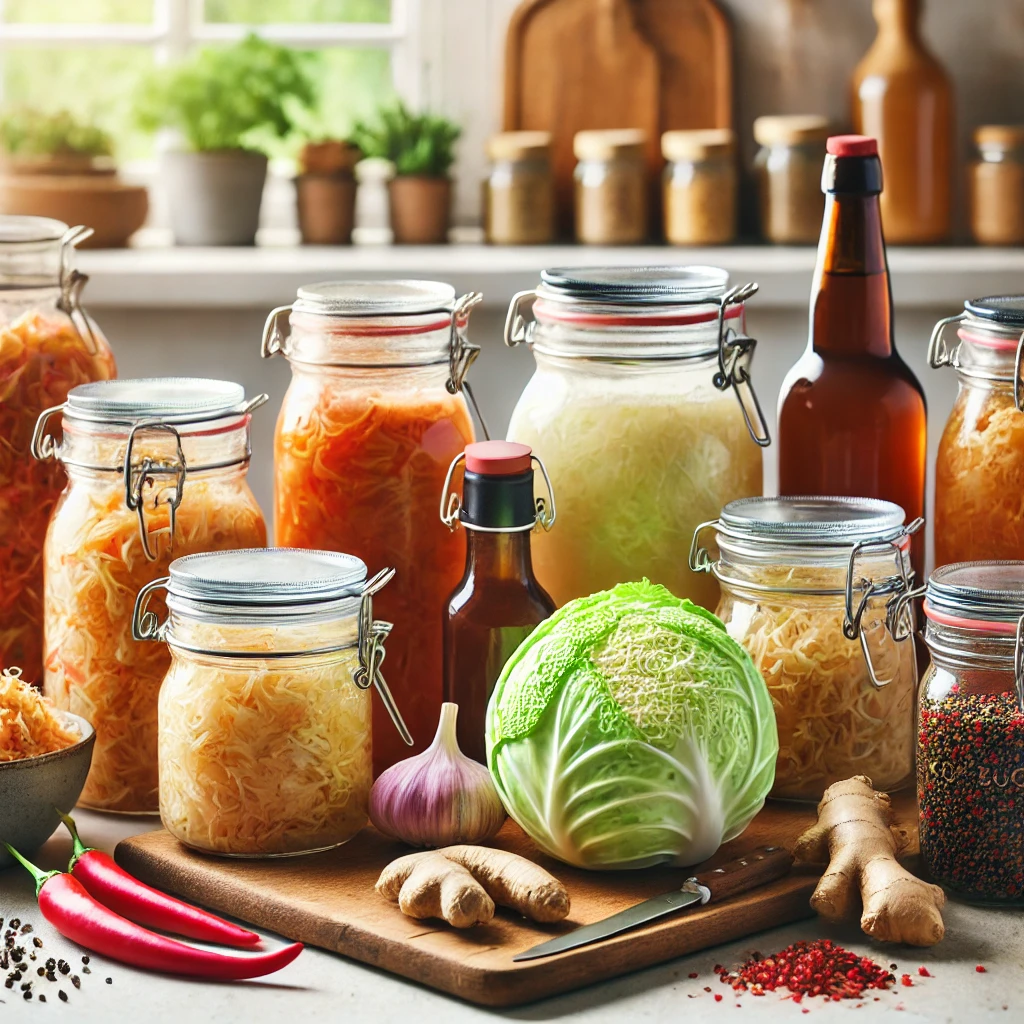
<point x="611" y="187"/>
<point x="997" y="185"/>
<point x="519" y="191"/>
<point x="700" y="186"/>
<point x="788" y="171"/>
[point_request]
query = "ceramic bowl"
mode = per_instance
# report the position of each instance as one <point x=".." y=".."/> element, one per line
<point x="33" y="788"/>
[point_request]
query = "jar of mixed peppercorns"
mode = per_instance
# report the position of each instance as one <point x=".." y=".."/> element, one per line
<point x="970" y="759"/>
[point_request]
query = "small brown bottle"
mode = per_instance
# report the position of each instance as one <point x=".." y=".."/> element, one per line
<point x="852" y="416"/>
<point x="902" y="97"/>
<point x="499" y="601"/>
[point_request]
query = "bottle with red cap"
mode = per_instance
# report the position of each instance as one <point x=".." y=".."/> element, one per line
<point x="852" y="417"/>
<point x="499" y="602"/>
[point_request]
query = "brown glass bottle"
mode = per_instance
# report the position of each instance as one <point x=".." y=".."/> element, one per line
<point x="902" y="97"/>
<point x="499" y="602"/>
<point x="852" y="415"/>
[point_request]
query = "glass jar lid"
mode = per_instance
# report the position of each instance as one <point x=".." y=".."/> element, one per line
<point x="1000" y="309"/>
<point x="986" y="596"/>
<point x="374" y="298"/>
<point x="168" y="399"/>
<point x="635" y="286"/>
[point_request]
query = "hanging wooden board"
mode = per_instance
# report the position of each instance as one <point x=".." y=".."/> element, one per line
<point x="328" y="900"/>
<point x="581" y="64"/>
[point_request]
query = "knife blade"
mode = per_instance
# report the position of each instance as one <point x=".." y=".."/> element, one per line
<point x="760" y="866"/>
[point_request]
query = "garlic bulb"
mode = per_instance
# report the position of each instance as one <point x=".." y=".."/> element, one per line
<point x="439" y="797"/>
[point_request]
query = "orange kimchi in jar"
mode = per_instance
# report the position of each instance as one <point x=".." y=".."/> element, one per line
<point x="979" y="469"/>
<point x="48" y="345"/>
<point x="156" y="469"/>
<point x="371" y="421"/>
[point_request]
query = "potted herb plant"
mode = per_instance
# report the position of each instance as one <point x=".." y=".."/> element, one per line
<point x="422" y="149"/>
<point x="227" y="103"/>
<point x="55" y="165"/>
<point x="325" y="191"/>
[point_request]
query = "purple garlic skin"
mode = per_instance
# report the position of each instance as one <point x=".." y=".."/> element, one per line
<point x="437" y="798"/>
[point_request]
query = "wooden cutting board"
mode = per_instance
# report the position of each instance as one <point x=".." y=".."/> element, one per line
<point x="328" y="900"/>
<point x="652" y="64"/>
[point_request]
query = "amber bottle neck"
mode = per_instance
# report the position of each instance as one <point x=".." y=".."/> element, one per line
<point x="898" y="17"/>
<point x="851" y="236"/>
<point x="499" y="556"/>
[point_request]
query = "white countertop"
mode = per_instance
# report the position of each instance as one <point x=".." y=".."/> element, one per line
<point x="322" y="986"/>
<point x="160" y="276"/>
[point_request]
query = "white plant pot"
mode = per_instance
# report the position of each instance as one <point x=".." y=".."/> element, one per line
<point x="214" y="198"/>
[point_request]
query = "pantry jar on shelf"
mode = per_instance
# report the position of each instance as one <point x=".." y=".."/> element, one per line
<point x="997" y="185"/>
<point x="699" y="195"/>
<point x="375" y="413"/>
<point x="812" y="589"/>
<point x="519" y="192"/>
<point x="611" y="187"/>
<point x="156" y="468"/>
<point x="630" y="410"/>
<point x="970" y="754"/>
<point x="265" y="746"/>
<point x="979" y="468"/>
<point x="48" y="345"/>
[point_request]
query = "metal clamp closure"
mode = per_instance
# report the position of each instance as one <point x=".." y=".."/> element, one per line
<point x="43" y="446"/>
<point x="899" y="622"/>
<point x="940" y="355"/>
<point x="72" y="282"/>
<point x="451" y="503"/>
<point x="1018" y="663"/>
<point x="519" y="331"/>
<point x="462" y="354"/>
<point x="699" y="559"/>
<point x="372" y="634"/>
<point x="138" y="477"/>
<point x="274" y="335"/>
<point x="735" y="351"/>
<point x="145" y="624"/>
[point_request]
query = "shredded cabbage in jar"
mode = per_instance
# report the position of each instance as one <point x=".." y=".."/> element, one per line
<point x="42" y="356"/>
<point x="636" y="464"/>
<point x="979" y="480"/>
<point x="95" y="567"/>
<point x="28" y="725"/>
<point x="833" y="723"/>
<point x="263" y="757"/>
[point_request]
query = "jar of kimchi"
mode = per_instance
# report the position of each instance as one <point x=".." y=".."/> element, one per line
<point x="979" y="469"/>
<point x="817" y="591"/>
<point x="48" y="345"/>
<point x="155" y="469"/>
<point x="371" y="421"/>
<point x="265" y="746"/>
<point x="629" y="409"/>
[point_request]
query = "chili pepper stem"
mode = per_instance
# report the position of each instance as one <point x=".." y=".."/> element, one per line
<point x="38" y="875"/>
<point x="80" y="847"/>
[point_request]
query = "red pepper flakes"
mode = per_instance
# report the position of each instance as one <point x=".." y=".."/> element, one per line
<point x="924" y="972"/>
<point x="907" y="980"/>
<point x="692" y="974"/>
<point x="818" y="968"/>
<point x="981" y="969"/>
<point x="718" y="997"/>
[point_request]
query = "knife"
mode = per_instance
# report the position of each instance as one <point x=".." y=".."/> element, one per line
<point x="758" y="867"/>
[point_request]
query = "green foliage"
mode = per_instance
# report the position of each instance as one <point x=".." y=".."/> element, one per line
<point x="232" y="97"/>
<point x="417" y="144"/>
<point x="28" y="132"/>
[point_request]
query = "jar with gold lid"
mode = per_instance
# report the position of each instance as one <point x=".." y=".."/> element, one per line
<point x="611" y="187"/>
<point x="699" y="186"/>
<point x="997" y="185"/>
<point x="519" y="190"/>
<point x="788" y="171"/>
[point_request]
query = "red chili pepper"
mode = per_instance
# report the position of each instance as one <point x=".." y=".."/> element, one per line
<point x="115" y="888"/>
<point x="79" y="917"/>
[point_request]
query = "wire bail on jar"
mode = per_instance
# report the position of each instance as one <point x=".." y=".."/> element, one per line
<point x="72" y="281"/>
<point x="451" y="503"/>
<point x="1018" y="663"/>
<point x="372" y="635"/>
<point x="146" y="473"/>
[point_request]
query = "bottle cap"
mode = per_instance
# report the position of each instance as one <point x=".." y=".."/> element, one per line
<point x="852" y="145"/>
<point x="498" y="458"/>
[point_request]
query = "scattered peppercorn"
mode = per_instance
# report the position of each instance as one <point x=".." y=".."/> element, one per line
<point x="971" y="791"/>
<point x="42" y="998"/>
<point x="62" y="995"/>
<point x="37" y="942"/>
<point x="85" y="959"/>
<point x="110" y="981"/>
<point x="63" y="966"/>
<point x="76" y="981"/>
<point x="87" y="970"/>
<point x="813" y="968"/>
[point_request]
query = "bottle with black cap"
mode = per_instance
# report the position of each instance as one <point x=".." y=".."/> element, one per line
<point x="499" y="602"/>
<point x="852" y="416"/>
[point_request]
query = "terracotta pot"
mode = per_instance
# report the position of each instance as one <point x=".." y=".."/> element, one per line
<point x="214" y="197"/>
<point x="420" y="209"/>
<point x="78" y="164"/>
<point x="326" y="208"/>
<point x="113" y="209"/>
<point x="332" y="156"/>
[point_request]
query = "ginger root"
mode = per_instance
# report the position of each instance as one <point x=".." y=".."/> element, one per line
<point x="855" y="833"/>
<point x="461" y="884"/>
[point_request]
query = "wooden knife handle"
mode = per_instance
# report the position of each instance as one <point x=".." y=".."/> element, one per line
<point x="758" y="867"/>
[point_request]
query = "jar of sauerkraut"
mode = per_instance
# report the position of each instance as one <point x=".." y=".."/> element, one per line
<point x="818" y="592"/>
<point x="48" y="344"/>
<point x="979" y="469"/>
<point x="630" y="410"/>
<point x="265" y="739"/>
<point x="155" y="469"/>
<point x="371" y="421"/>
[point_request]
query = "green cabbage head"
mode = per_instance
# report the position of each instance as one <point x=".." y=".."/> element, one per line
<point x="630" y="729"/>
